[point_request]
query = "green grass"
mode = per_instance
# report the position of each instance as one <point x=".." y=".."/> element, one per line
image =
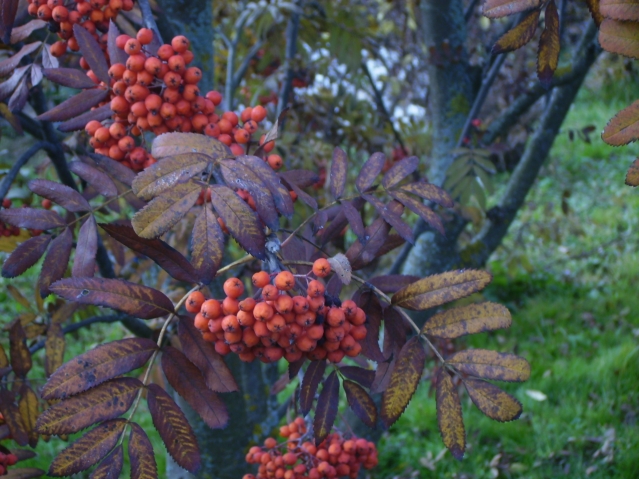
<point x="570" y="279"/>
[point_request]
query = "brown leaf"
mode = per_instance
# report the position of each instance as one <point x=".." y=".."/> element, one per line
<point x="75" y="105"/>
<point x="312" y="378"/>
<point x="429" y="192"/>
<point x="295" y="367"/>
<point x="361" y="403"/>
<point x="106" y="401"/>
<point x="420" y="209"/>
<point x="441" y="288"/>
<point x="632" y="177"/>
<point x="174" y="428"/>
<point x="168" y="258"/>
<point x="28" y="406"/>
<point x="111" y="466"/>
<point x="502" y="8"/>
<point x="369" y="302"/>
<point x="217" y="374"/>
<point x="167" y="173"/>
<point x="13" y="418"/>
<point x="370" y="170"/>
<point x="166" y="210"/>
<point x="624" y="127"/>
<point x="24" y="473"/>
<point x="88" y="450"/>
<point x="113" y="168"/>
<point x="97" y="366"/>
<point x="116" y="55"/>
<point x="61" y="194"/>
<point x="79" y="122"/>
<point x="207" y="245"/>
<point x="70" y="77"/>
<point x="339" y="169"/>
<point x="620" y="37"/>
<point x="360" y="255"/>
<point x="8" y="11"/>
<point x="94" y="177"/>
<point x="355" y="221"/>
<point x="492" y="401"/>
<point x="55" y="262"/>
<point x="188" y="382"/>
<point x="363" y="376"/>
<point x="518" y="36"/>
<point x="280" y="194"/>
<point x="403" y="381"/>
<point x="137" y="300"/>
<point x="595" y="13"/>
<point x="25" y="255"/>
<point x="488" y="364"/>
<point x="18" y="350"/>
<point x="399" y="171"/>
<point x="449" y="415"/>
<point x="620" y="9"/>
<point x="326" y="409"/>
<point x="32" y="218"/>
<point x="470" y="319"/>
<point x="241" y="221"/>
<point x="391" y="213"/>
<point x="301" y="178"/>
<point x="86" y="249"/>
<point x="141" y="455"/>
<point x="171" y="144"/>
<point x="22" y="33"/>
<point x="92" y="53"/>
<point x="54" y="347"/>
<point x="548" y="55"/>
<point x="237" y="175"/>
<point x="10" y="64"/>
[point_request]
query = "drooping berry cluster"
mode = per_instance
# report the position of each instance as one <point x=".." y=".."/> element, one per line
<point x="296" y="458"/>
<point x="277" y="323"/>
<point x="158" y="93"/>
<point x="94" y="15"/>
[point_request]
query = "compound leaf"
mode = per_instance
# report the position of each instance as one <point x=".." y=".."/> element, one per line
<point x="55" y="262"/>
<point x="171" y="144"/>
<point x="492" y="401"/>
<point x="441" y="288"/>
<point x="339" y="169"/>
<point x="168" y="172"/>
<point x="449" y="415"/>
<point x="403" y="380"/>
<point x="326" y="409"/>
<point x="88" y="450"/>
<point x="312" y="378"/>
<point x="370" y="170"/>
<point x="32" y="218"/>
<point x="470" y="319"/>
<point x="25" y="255"/>
<point x="620" y="37"/>
<point x="548" y="54"/>
<point x="502" y="8"/>
<point x="174" y="428"/>
<point x="399" y="171"/>
<point x="488" y="364"/>
<point x="360" y="402"/>
<point x="86" y="249"/>
<point x="111" y="466"/>
<point x="141" y="455"/>
<point x="131" y="298"/>
<point x="207" y="245"/>
<point x="624" y="127"/>
<point x="97" y="366"/>
<point x="518" y="36"/>
<point x="106" y="401"/>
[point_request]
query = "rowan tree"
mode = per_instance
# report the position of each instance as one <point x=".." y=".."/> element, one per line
<point x="249" y="261"/>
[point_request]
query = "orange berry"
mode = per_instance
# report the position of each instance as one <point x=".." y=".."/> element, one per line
<point x="261" y="279"/>
<point x="274" y="161"/>
<point x="176" y="63"/>
<point x="233" y="287"/>
<point x="247" y="304"/>
<point x="180" y="43"/>
<point x="263" y="311"/>
<point x="211" y="309"/>
<point x="215" y="97"/>
<point x="246" y="114"/>
<point x="321" y="267"/>
<point x="285" y="281"/>
<point x="58" y="48"/>
<point x="192" y="75"/>
<point x="133" y="46"/>
<point x="145" y="36"/>
<point x="250" y="126"/>
<point x="230" y="305"/>
<point x="270" y="443"/>
<point x="242" y="136"/>
<point x="135" y="62"/>
<point x="237" y="150"/>
<point x="358" y="332"/>
<point x="315" y="332"/>
<point x="315" y="289"/>
<point x="231" y="118"/>
<point x="230" y="324"/>
<point x="335" y="317"/>
<point x="258" y="113"/>
<point x="59" y="13"/>
<point x="359" y="318"/>
<point x="200" y="322"/>
<point x="284" y="304"/>
<point x="194" y="302"/>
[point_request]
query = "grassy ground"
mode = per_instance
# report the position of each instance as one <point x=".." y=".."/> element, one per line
<point x="570" y="277"/>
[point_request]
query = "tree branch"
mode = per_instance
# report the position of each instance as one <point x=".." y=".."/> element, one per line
<point x="241" y="71"/>
<point x="379" y="100"/>
<point x="527" y="170"/>
<point x="292" y="30"/>
<point x="20" y="162"/>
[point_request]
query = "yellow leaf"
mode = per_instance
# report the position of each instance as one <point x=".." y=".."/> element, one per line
<point x="548" y="55"/>
<point x="471" y="319"/>
<point x="489" y="364"/>
<point x="517" y="37"/>
<point x="492" y="401"/>
<point x="449" y="415"/>
<point x="441" y="288"/>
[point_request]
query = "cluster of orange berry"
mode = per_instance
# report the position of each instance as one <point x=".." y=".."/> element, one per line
<point x="277" y="323"/>
<point x="334" y="457"/>
<point x="94" y="15"/>
<point x="159" y="93"/>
